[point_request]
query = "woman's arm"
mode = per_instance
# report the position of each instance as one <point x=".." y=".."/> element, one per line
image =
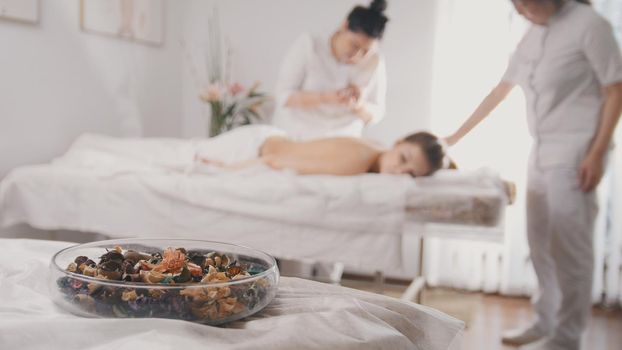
<point x="292" y="75"/>
<point x="592" y="167"/>
<point x="364" y="112"/>
<point x="368" y="111"/>
<point x="371" y="108"/>
<point x="603" y="53"/>
<point x="494" y="98"/>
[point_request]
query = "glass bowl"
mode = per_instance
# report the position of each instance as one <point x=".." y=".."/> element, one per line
<point x="215" y="302"/>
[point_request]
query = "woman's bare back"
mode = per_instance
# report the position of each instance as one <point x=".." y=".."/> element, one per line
<point x="332" y="156"/>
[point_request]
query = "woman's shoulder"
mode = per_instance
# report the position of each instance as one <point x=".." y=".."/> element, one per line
<point x="304" y="42"/>
<point x="587" y="17"/>
<point x="591" y="24"/>
<point x="312" y="44"/>
<point x="374" y="59"/>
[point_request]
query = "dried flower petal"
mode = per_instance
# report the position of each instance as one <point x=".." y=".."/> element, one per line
<point x="129" y="295"/>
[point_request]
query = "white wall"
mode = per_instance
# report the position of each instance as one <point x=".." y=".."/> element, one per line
<point x="261" y="31"/>
<point x="57" y="82"/>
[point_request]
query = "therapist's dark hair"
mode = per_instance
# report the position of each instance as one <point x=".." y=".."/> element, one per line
<point x="433" y="149"/>
<point x="369" y="20"/>
<point x="559" y="3"/>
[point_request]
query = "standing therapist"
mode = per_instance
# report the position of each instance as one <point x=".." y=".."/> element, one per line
<point x="334" y="85"/>
<point x="570" y="69"/>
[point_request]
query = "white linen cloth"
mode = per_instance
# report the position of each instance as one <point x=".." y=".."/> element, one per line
<point x="121" y="155"/>
<point x="304" y="315"/>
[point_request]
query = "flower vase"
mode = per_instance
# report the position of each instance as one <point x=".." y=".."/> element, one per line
<point x="217" y="122"/>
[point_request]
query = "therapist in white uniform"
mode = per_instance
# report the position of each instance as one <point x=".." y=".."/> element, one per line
<point x="334" y="85"/>
<point x="570" y="69"/>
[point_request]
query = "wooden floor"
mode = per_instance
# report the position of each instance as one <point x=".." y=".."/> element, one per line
<point x="487" y="316"/>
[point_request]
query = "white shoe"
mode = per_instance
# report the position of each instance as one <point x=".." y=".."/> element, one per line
<point x="523" y="336"/>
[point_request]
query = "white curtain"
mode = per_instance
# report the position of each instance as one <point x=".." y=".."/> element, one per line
<point x="608" y="274"/>
<point x="475" y="39"/>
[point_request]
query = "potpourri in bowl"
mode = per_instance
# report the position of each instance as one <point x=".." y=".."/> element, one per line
<point x="200" y="281"/>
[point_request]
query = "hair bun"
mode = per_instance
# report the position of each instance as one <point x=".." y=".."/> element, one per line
<point x="378" y="5"/>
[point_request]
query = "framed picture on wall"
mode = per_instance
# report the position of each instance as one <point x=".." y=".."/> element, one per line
<point x="26" y="11"/>
<point x="135" y="20"/>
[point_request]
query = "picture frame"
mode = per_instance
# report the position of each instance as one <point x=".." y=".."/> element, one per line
<point x="23" y="11"/>
<point x="140" y="21"/>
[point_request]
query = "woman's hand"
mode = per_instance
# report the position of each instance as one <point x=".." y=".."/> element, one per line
<point x="591" y="171"/>
<point x="202" y="160"/>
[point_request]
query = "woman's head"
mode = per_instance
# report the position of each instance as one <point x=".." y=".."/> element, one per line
<point x="419" y="154"/>
<point x="360" y="32"/>
<point x="540" y="11"/>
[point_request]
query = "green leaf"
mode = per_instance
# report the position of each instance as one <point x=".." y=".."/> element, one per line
<point x="229" y="110"/>
<point x="255" y="114"/>
<point x="183" y="277"/>
<point x="256" y="94"/>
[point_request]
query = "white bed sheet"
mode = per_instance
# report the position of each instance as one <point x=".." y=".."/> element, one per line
<point x="304" y="315"/>
<point x="323" y="218"/>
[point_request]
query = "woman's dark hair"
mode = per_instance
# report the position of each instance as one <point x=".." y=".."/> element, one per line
<point x="559" y="3"/>
<point x="433" y="149"/>
<point x="369" y="20"/>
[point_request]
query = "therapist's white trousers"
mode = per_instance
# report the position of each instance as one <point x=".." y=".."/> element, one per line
<point x="560" y="225"/>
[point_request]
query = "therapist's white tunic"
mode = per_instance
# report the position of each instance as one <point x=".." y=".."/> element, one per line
<point x="310" y="66"/>
<point x="562" y="68"/>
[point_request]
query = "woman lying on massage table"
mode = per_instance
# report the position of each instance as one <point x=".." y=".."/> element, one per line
<point x="419" y="154"/>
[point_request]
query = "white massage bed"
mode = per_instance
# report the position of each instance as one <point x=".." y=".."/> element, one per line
<point x="351" y="220"/>
<point x="304" y="315"/>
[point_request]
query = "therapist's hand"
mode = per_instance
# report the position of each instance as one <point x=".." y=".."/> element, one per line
<point x="353" y="92"/>
<point x="349" y="96"/>
<point x="591" y="171"/>
<point x="337" y="97"/>
<point x="450" y="140"/>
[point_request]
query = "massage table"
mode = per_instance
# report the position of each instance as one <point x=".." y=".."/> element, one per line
<point x="350" y="220"/>
<point x="152" y="188"/>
